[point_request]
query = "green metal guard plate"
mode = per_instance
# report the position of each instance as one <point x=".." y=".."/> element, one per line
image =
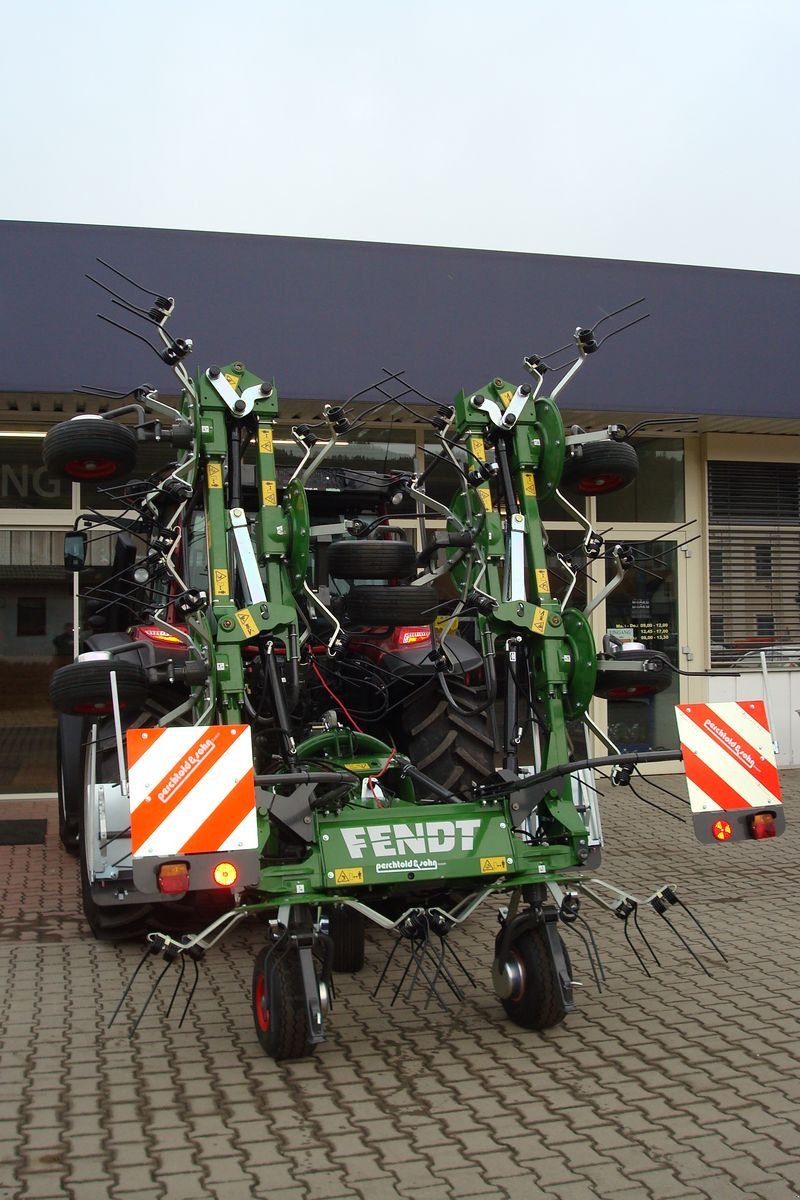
<point x="454" y="841"/>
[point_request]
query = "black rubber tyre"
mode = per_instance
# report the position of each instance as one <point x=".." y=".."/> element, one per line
<point x="631" y="685"/>
<point x="454" y="748"/>
<point x="84" y="688"/>
<point x="538" y="1003"/>
<point x="347" y="935"/>
<point x="70" y="736"/>
<point x="108" y="923"/>
<point x="279" y="1006"/>
<point x="371" y="559"/>
<point x="404" y="605"/>
<point x="600" y="468"/>
<point x="86" y="449"/>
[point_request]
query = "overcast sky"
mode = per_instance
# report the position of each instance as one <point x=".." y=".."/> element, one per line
<point x="618" y="128"/>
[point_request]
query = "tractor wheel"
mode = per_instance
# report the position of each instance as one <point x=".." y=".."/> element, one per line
<point x="86" y="449"/>
<point x="454" y="748"/>
<point x="108" y="922"/>
<point x="84" y="688"/>
<point x="70" y="736"/>
<point x="347" y="934"/>
<point x="279" y="1005"/>
<point x="600" y="468"/>
<point x="404" y="605"/>
<point x="534" y="998"/>
<point x="630" y="685"/>
<point x="371" y="560"/>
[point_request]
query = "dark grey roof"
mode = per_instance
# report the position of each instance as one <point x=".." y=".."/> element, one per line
<point x="324" y="317"/>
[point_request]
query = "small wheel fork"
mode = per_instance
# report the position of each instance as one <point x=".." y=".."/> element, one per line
<point x="314" y="952"/>
<point x="508" y="971"/>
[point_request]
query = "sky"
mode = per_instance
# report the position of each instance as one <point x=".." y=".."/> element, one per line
<point x="617" y="129"/>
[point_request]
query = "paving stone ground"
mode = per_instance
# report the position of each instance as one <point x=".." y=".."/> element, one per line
<point x="677" y="1086"/>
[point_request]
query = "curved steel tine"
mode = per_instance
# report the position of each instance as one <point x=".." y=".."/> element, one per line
<point x="153" y="991"/>
<point x="701" y="927"/>
<point x="685" y="944"/>
<point x="590" y="955"/>
<point x="130" y="984"/>
<point x="177" y="985"/>
<point x="642" y="963"/>
<point x="644" y="939"/>
<point x="192" y="990"/>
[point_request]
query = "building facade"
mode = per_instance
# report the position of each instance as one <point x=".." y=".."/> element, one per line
<point x="706" y="380"/>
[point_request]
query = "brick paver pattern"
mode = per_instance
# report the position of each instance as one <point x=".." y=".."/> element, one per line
<point x="671" y="1087"/>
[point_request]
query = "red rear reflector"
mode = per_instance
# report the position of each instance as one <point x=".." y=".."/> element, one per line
<point x="410" y="635"/>
<point x="160" y="636"/>
<point x="225" y="874"/>
<point x="762" y="825"/>
<point x="173" y="878"/>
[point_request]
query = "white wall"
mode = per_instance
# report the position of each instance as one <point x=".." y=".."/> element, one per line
<point x="783" y="705"/>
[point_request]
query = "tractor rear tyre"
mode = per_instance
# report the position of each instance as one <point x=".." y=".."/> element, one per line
<point x="456" y="749"/>
<point x="535" y="1001"/>
<point x="279" y="1005"/>
<point x="89" y="449"/>
<point x="84" y="688"/>
<point x="600" y="468"/>
<point x="371" y="559"/>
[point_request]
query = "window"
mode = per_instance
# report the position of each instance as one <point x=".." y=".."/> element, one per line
<point x="715" y="561"/>
<point x="765" y="625"/>
<point x="763" y="561"/>
<point x="658" y="494"/>
<point x="717" y="630"/>
<point x="31" y="616"/>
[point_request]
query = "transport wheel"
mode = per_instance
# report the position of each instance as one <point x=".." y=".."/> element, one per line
<point x="371" y="560"/>
<point x="347" y="935"/>
<point x="600" y="468"/>
<point x="108" y="922"/>
<point x="534" y="998"/>
<point x="89" y="448"/>
<point x="403" y="605"/>
<point x="84" y="688"/>
<point x="629" y="685"/>
<point x="70" y="736"/>
<point x="279" y="1006"/>
<point x="454" y="748"/>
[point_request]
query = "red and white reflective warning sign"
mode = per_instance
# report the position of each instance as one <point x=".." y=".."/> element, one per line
<point x="191" y="790"/>
<point x="729" y="757"/>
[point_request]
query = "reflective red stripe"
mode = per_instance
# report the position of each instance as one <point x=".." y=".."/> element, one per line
<point x="708" y="781"/>
<point x="146" y="818"/>
<point x="220" y="824"/>
<point x="762" y="770"/>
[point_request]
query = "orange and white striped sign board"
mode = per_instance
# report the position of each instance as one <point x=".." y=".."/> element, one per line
<point x="729" y="758"/>
<point x="191" y="790"/>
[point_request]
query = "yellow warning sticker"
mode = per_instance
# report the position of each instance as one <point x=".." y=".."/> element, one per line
<point x="478" y="449"/>
<point x="246" y="622"/>
<point x="528" y="483"/>
<point x="539" y="622"/>
<point x="506" y="398"/>
<point x="265" y="441"/>
<point x="345" y="875"/>
<point x="214" y="475"/>
<point x="486" y="496"/>
<point x="445" y="622"/>
<point x="493" y="866"/>
<point x="221" y="585"/>
<point x="358" y="766"/>
<point x="542" y="582"/>
<point x="269" y="493"/>
<point x="233" y="380"/>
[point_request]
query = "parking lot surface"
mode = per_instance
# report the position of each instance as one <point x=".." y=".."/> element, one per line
<point x="675" y="1086"/>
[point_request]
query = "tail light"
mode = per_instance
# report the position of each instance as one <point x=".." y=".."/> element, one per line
<point x="762" y="825"/>
<point x="173" y="878"/>
<point x="410" y="635"/>
<point x="160" y="637"/>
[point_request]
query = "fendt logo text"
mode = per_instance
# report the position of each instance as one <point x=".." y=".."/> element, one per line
<point x="424" y="837"/>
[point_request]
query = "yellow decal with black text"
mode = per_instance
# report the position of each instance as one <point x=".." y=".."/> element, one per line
<point x="221" y="585"/>
<point x="443" y="622"/>
<point x="478" y="449"/>
<point x="233" y="380"/>
<point x="265" y="441"/>
<point x="539" y="622"/>
<point x="269" y="493"/>
<point x="358" y="766"/>
<point x="485" y="493"/>
<point x="345" y="875"/>
<point x="493" y="866"/>
<point x="506" y="398"/>
<point x="542" y="582"/>
<point x="214" y="475"/>
<point x="528" y="483"/>
<point x="246" y="622"/>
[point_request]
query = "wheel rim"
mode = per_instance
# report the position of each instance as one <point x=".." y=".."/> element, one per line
<point x="598" y="485"/>
<point x="95" y="468"/>
<point x="262" y="1005"/>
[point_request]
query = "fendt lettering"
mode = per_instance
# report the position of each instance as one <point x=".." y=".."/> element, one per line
<point x="424" y="837"/>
